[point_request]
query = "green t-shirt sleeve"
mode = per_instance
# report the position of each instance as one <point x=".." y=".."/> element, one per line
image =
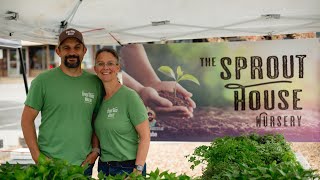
<point x="35" y="95"/>
<point x="137" y="111"/>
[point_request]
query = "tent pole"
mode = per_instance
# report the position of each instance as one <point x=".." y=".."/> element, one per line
<point x="23" y="70"/>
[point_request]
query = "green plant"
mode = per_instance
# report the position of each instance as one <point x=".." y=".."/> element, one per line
<point x="56" y="169"/>
<point x="250" y="157"/>
<point x="153" y="175"/>
<point x="166" y="70"/>
<point x="45" y="169"/>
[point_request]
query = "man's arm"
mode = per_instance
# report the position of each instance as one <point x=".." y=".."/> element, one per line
<point x="29" y="131"/>
<point x="93" y="155"/>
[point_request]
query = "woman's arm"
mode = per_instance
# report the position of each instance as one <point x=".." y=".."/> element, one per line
<point x="144" y="143"/>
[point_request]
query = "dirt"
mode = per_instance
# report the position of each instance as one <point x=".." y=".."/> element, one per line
<point x="211" y="122"/>
<point x="177" y="100"/>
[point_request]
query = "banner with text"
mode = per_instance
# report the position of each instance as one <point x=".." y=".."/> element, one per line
<point x="240" y="88"/>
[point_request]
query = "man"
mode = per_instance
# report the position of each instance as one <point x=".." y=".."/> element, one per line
<point x="151" y="118"/>
<point x="68" y="97"/>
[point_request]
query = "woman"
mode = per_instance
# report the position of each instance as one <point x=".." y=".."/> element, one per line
<point x="122" y="124"/>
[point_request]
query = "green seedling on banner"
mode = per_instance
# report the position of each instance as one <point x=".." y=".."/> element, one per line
<point x="166" y="70"/>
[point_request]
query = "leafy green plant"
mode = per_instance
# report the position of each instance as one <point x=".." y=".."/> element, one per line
<point x="249" y="157"/>
<point x="153" y="175"/>
<point x="56" y="169"/>
<point x="45" y="169"/>
<point x="166" y="70"/>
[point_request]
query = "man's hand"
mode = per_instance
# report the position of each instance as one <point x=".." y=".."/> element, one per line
<point x="91" y="158"/>
<point x="41" y="159"/>
<point x="35" y="156"/>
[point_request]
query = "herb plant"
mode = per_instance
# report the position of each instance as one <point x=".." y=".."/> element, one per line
<point x="250" y="157"/>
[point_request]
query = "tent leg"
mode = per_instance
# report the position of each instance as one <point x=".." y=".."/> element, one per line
<point x="23" y="70"/>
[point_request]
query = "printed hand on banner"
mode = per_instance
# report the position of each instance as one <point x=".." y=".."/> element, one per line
<point x="145" y="76"/>
<point x="162" y="105"/>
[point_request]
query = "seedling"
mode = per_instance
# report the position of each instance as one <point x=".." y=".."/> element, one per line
<point x="166" y="70"/>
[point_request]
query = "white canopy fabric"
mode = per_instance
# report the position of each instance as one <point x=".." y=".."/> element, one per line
<point x="132" y="21"/>
<point x="10" y="43"/>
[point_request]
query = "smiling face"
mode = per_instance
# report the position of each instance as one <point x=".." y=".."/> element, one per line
<point x="107" y="67"/>
<point x="71" y="52"/>
<point x="151" y="115"/>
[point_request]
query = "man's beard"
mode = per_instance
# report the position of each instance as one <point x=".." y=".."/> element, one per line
<point x="71" y="65"/>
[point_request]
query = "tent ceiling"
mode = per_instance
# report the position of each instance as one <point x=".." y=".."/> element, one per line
<point x="9" y="43"/>
<point x="130" y="21"/>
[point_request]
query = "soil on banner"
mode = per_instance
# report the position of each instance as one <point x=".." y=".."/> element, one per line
<point x="176" y="99"/>
<point x="210" y="122"/>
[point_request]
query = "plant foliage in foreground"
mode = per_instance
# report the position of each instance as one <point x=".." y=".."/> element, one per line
<point x="250" y="157"/>
<point x="243" y="157"/>
<point x="56" y="169"/>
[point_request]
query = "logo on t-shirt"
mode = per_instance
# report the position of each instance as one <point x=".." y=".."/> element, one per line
<point x="111" y="112"/>
<point x="88" y="97"/>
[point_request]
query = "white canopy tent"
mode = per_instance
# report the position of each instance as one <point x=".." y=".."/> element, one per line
<point x="5" y="43"/>
<point x="10" y="43"/>
<point x="131" y="21"/>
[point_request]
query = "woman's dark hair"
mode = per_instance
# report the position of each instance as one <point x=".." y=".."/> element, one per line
<point x="108" y="50"/>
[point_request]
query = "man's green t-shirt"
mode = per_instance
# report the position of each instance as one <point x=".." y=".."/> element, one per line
<point x="115" y="125"/>
<point x="67" y="105"/>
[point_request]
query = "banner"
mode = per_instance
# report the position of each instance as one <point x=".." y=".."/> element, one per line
<point x="244" y="87"/>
